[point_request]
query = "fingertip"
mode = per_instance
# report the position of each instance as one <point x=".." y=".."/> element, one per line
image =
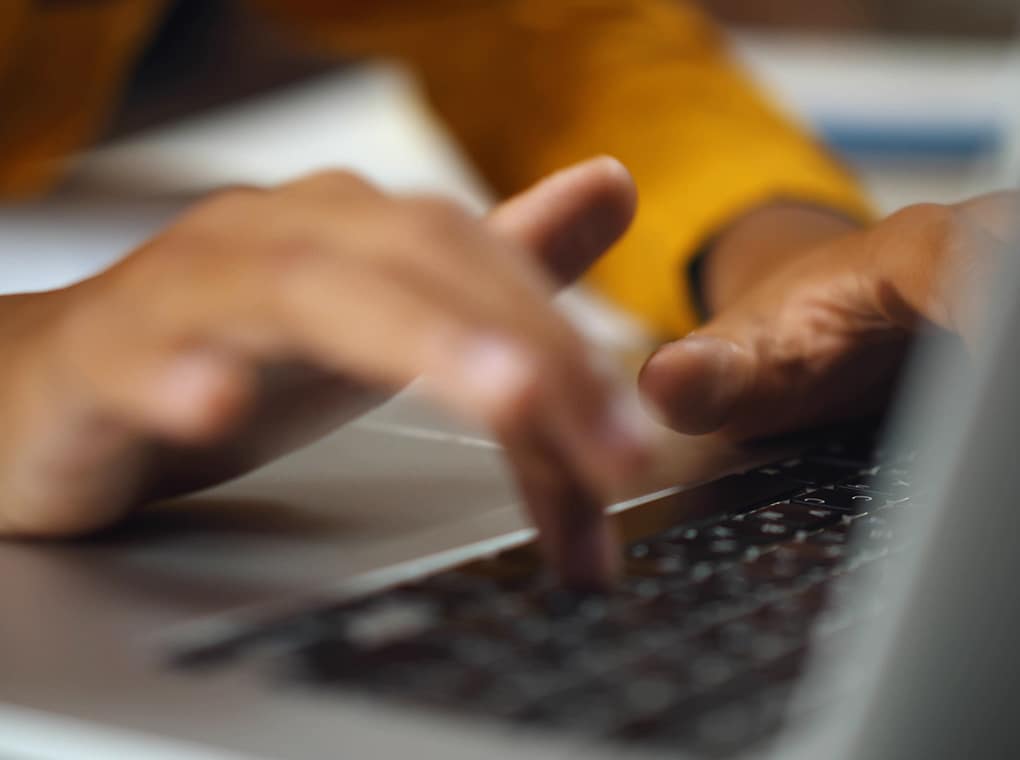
<point x="613" y="193"/>
<point x="586" y="555"/>
<point x="693" y="384"/>
<point x="600" y="571"/>
<point x="573" y="216"/>
<point x="617" y="178"/>
<point x="613" y="165"/>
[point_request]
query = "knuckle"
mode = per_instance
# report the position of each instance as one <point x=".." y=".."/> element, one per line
<point x="935" y="223"/>
<point x="436" y="219"/>
<point x="290" y="270"/>
<point x="297" y="252"/>
<point x="229" y="200"/>
<point x="912" y="244"/>
<point x="334" y="180"/>
<point x="924" y="213"/>
<point x="187" y="256"/>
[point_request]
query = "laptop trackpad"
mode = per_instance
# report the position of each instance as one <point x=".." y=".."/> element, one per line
<point x="400" y="484"/>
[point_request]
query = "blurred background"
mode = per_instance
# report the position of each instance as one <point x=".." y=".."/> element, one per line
<point x="981" y="19"/>
<point x="920" y="97"/>
<point x="915" y="93"/>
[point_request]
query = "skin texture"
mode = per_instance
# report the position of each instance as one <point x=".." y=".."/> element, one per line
<point x="811" y="315"/>
<point x="262" y="319"/>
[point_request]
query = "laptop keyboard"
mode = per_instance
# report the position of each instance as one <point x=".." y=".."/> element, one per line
<point x="698" y="648"/>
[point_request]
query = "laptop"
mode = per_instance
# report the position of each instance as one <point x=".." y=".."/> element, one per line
<point x="845" y="594"/>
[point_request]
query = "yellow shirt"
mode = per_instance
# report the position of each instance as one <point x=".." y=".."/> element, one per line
<point x="527" y="86"/>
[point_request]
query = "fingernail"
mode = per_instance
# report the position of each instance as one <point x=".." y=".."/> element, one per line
<point x="611" y="165"/>
<point x="723" y="350"/>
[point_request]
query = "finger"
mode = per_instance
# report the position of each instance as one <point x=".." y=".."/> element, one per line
<point x="377" y="318"/>
<point x="183" y="367"/>
<point x="577" y="540"/>
<point x="939" y="260"/>
<point x="472" y="273"/>
<point x="571" y="218"/>
<point x="776" y="362"/>
<point x="525" y="365"/>
<point x="511" y="364"/>
<point x="330" y="186"/>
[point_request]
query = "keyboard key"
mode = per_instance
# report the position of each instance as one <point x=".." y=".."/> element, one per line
<point x="765" y="526"/>
<point x="765" y="531"/>
<point x="816" y="473"/>
<point x="859" y="451"/>
<point x="895" y="482"/>
<point x="797" y="516"/>
<point x="845" y="499"/>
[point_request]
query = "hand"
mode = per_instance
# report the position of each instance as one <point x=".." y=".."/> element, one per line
<point x="263" y="318"/>
<point x="811" y="330"/>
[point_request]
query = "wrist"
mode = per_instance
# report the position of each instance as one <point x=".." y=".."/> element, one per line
<point x="762" y="240"/>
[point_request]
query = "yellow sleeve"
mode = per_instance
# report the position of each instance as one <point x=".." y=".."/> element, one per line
<point x="62" y="66"/>
<point x="530" y="85"/>
<point x="525" y="85"/>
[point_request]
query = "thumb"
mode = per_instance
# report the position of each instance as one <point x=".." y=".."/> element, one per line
<point x="572" y="217"/>
<point x="803" y="349"/>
